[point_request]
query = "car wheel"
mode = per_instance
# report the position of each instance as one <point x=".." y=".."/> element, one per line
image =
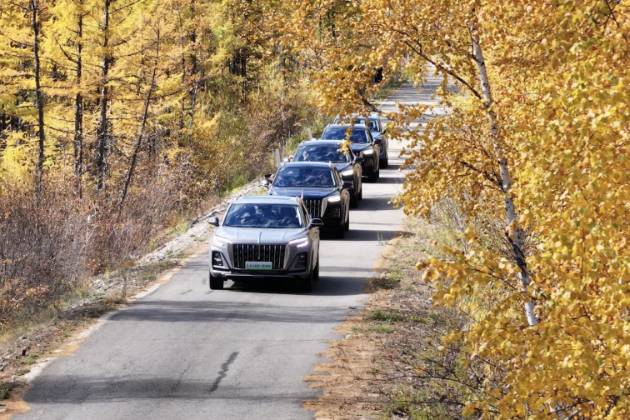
<point x="375" y="175"/>
<point x="346" y="227"/>
<point x="361" y="192"/>
<point x="354" y="199"/>
<point x="384" y="162"/>
<point x="316" y="273"/>
<point x="306" y="284"/>
<point x="340" y="232"/>
<point x="216" y="283"/>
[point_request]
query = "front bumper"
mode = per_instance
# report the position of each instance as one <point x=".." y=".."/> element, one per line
<point x="334" y="216"/>
<point x="368" y="164"/>
<point x="234" y="274"/>
<point x="295" y="263"/>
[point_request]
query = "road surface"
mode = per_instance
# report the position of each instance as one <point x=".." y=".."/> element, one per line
<point x="185" y="352"/>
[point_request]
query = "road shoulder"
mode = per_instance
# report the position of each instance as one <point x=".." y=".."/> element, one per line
<point x="374" y="371"/>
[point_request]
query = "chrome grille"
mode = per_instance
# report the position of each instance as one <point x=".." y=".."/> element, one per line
<point x="255" y="252"/>
<point x="314" y="208"/>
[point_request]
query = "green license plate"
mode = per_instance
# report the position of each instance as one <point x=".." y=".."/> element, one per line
<point x="258" y="265"/>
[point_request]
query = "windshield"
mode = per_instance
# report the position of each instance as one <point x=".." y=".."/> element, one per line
<point x="358" y="134"/>
<point x="263" y="216"/>
<point x="304" y="176"/>
<point x="321" y="153"/>
<point x="370" y="123"/>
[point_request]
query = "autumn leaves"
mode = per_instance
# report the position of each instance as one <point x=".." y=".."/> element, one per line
<point x="534" y="153"/>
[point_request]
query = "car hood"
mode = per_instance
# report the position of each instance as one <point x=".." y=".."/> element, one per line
<point x="258" y="236"/>
<point x="359" y="147"/>
<point x="316" y="193"/>
<point x="342" y="166"/>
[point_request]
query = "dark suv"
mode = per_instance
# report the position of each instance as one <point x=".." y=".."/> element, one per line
<point x="322" y="190"/>
<point x="362" y="145"/>
<point x="340" y="155"/>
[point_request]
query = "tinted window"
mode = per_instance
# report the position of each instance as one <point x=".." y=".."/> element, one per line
<point x="371" y="123"/>
<point x="320" y="153"/>
<point x="358" y="134"/>
<point x="304" y="176"/>
<point x="263" y="216"/>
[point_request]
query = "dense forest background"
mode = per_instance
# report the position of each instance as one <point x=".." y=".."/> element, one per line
<point x="120" y="117"/>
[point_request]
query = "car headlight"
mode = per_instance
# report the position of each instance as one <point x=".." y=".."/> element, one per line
<point x="299" y="243"/>
<point x="368" y="152"/>
<point x="348" y="172"/>
<point x="334" y="198"/>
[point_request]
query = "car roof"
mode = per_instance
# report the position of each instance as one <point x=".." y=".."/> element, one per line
<point x="307" y="163"/>
<point x="347" y="125"/>
<point x="321" y="142"/>
<point x="267" y="199"/>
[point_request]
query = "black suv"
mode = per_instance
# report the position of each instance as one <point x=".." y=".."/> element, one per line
<point x="362" y="145"/>
<point x="322" y="190"/>
<point x="335" y="152"/>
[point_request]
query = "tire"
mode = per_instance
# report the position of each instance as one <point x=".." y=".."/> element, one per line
<point x="216" y="283"/>
<point x="361" y="192"/>
<point x="354" y="199"/>
<point x="340" y="232"/>
<point x="374" y="176"/>
<point x="346" y="226"/>
<point x="315" y="273"/>
<point x="306" y="284"/>
<point x="384" y="163"/>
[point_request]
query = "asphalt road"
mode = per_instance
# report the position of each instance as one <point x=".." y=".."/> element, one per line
<point x="185" y="352"/>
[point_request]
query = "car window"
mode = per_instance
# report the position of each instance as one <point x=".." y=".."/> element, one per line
<point x="265" y="215"/>
<point x="357" y="135"/>
<point x="320" y="153"/>
<point x="371" y="123"/>
<point x="304" y="176"/>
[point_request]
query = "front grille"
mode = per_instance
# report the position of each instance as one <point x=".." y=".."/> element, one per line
<point x="314" y="208"/>
<point x="255" y="252"/>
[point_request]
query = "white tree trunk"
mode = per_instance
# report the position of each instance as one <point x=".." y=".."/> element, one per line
<point x="518" y="241"/>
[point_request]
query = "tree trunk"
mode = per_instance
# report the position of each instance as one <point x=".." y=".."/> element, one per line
<point x="141" y="129"/>
<point x="78" y="109"/>
<point x="102" y="133"/>
<point x="518" y="239"/>
<point x="39" y="97"/>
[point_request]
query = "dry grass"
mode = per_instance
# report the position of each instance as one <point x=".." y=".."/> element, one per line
<point x="391" y="362"/>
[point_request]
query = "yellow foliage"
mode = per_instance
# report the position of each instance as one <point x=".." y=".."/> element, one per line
<point x="536" y="156"/>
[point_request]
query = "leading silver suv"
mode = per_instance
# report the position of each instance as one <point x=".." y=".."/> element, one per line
<point x="265" y="237"/>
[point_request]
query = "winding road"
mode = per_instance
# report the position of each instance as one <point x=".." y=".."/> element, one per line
<point x="185" y="352"/>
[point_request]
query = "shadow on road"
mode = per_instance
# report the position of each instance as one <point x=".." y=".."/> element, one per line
<point x="226" y="312"/>
<point x="75" y="389"/>
<point x="374" y="203"/>
<point x="397" y="180"/>
<point x="380" y="236"/>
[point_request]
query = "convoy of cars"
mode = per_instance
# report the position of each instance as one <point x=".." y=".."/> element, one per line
<point x="278" y="235"/>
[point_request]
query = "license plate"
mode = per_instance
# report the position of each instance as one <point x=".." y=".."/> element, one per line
<point x="258" y="265"/>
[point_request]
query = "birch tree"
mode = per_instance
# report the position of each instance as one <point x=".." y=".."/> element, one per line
<point x="535" y="123"/>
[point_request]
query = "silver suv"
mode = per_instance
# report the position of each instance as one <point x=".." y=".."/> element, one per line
<point x="265" y="237"/>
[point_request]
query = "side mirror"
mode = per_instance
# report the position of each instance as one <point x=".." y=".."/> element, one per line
<point x="316" y="222"/>
<point x="264" y="183"/>
<point x="214" y="221"/>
